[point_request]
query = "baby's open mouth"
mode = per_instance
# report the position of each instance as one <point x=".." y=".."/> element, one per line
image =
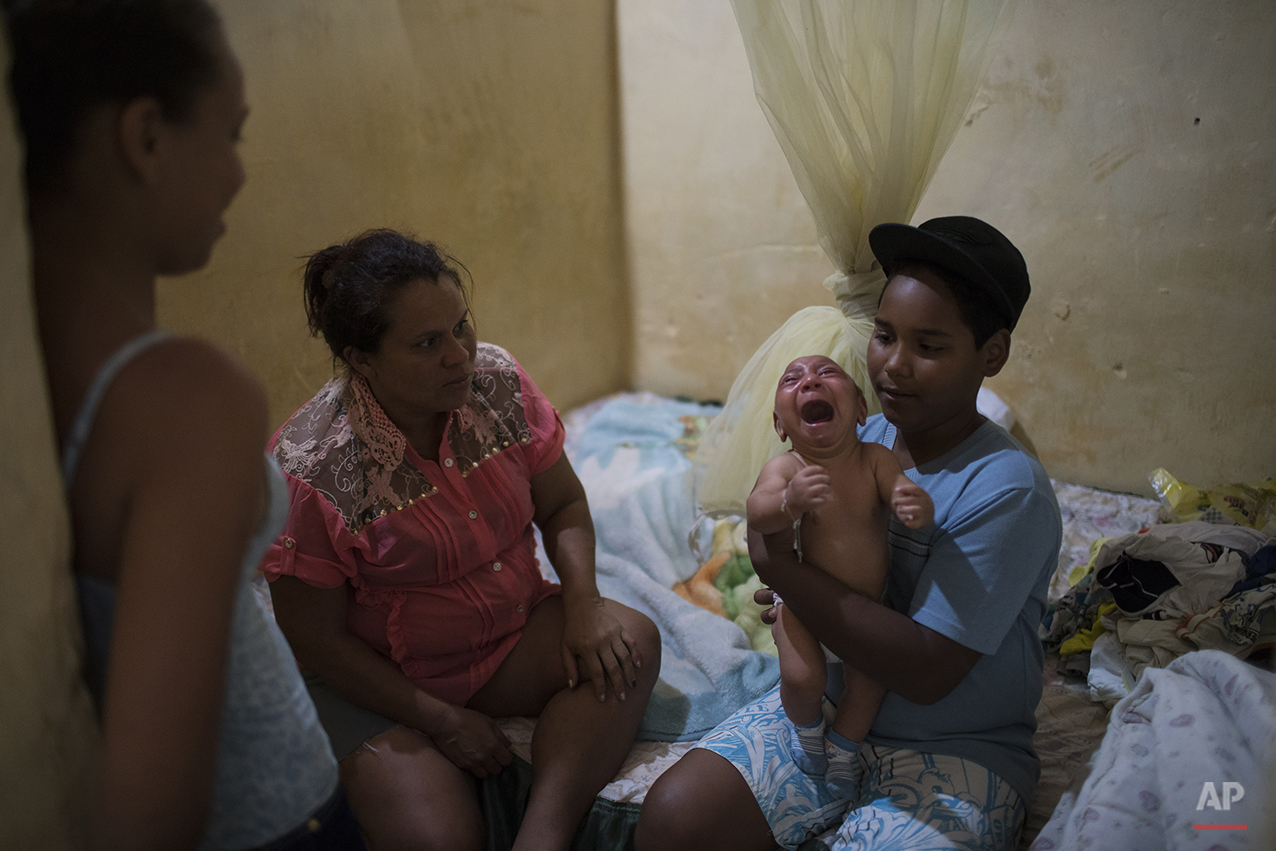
<point x="817" y="411"/>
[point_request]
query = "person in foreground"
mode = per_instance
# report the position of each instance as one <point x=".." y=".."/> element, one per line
<point x="835" y="494"/>
<point x="130" y="111"/>
<point x="949" y="761"/>
<point x="407" y="579"/>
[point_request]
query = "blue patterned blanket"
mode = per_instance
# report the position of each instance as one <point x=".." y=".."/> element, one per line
<point x="632" y="453"/>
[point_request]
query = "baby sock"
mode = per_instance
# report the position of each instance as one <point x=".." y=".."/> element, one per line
<point x="806" y="744"/>
<point x="843" y="775"/>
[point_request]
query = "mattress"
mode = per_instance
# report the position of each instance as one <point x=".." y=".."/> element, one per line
<point x="633" y="453"/>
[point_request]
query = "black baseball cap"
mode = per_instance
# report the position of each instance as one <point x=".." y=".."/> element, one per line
<point x="969" y="247"/>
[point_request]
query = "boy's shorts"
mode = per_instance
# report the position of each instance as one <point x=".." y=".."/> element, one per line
<point x="908" y="799"/>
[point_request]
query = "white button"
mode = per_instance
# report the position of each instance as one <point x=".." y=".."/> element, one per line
<point x="520" y="608"/>
<point x="496" y="565"/>
<point x="473" y="514"/>
<point x="447" y="462"/>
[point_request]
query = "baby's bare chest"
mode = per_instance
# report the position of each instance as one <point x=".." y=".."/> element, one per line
<point x="846" y="536"/>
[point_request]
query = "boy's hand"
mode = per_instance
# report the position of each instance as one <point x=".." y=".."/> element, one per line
<point x="912" y="505"/>
<point x="767" y="597"/>
<point x="807" y="490"/>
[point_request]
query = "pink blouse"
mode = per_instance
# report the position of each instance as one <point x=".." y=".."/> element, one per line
<point x="441" y="556"/>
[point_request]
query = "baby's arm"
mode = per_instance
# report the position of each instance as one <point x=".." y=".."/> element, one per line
<point x="907" y="499"/>
<point x="785" y="490"/>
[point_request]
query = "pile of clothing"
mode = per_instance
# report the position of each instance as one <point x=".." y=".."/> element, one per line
<point x="1151" y="597"/>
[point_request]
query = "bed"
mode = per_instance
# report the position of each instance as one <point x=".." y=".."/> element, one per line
<point x="633" y="453"/>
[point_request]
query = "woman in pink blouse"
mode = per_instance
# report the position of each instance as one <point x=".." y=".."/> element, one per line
<point x="406" y="578"/>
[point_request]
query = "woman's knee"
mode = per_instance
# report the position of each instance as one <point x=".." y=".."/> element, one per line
<point x="437" y="831"/>
<point x="649" y="643"/>
<point x="407" y="795"/>
<point x="644" y="633"/>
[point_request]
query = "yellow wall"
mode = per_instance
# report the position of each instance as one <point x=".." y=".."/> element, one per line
<point x="1150" y="238"/>
<point x="1130" y="149"/>
<point x="48" y="736"/>
<point x="494" y="129"/>
<point x="486" y="126"/>
<point x="721" y="245"/>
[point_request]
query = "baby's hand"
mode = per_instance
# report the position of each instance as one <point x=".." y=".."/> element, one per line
<point x="807" y="490"/>
<point x="912" y="505"/>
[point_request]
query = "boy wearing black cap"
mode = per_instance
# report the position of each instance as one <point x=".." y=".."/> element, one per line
<point x="949" y="760"/>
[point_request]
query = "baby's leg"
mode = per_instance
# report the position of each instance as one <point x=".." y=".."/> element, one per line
<point x="861" y="698"/>
<point x="856" y="710"/>
<point x="803" y="675"/>
<point x="803" y="672"/>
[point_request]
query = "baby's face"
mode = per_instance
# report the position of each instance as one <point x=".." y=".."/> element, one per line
<point x="817" y="404"/>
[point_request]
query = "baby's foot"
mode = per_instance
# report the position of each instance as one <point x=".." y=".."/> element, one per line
<point x="844" y="773"/>
<point x="806" y="745"/>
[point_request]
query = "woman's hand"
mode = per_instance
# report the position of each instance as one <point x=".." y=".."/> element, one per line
<point x="592" y="635"/>
<point x="314" y="621"/>
<point x="473" y="741"/>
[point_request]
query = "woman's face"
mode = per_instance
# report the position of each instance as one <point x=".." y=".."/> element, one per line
<point x="426" y="358"/>
<point x="201" y="171"/>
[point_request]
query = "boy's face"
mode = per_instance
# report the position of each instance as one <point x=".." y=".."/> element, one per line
<point x="922" y="359"/>
<point x="817" y="405"/>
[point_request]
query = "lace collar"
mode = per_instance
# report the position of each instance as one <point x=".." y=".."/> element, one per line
<point x="344" y="445"/>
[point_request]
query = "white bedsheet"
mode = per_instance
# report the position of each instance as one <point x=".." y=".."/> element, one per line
<point x="1206" y="718"/>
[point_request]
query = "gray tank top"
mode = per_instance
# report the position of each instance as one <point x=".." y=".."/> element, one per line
<point x="274" y="764"/>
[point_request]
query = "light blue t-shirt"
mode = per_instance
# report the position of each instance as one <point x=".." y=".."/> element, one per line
<point x="978" y="576"/>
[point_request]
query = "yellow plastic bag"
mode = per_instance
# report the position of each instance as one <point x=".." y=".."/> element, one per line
<point x="1245" y="504"/>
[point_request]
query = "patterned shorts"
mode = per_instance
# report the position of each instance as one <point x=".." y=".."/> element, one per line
<point x="909" y="799"/>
